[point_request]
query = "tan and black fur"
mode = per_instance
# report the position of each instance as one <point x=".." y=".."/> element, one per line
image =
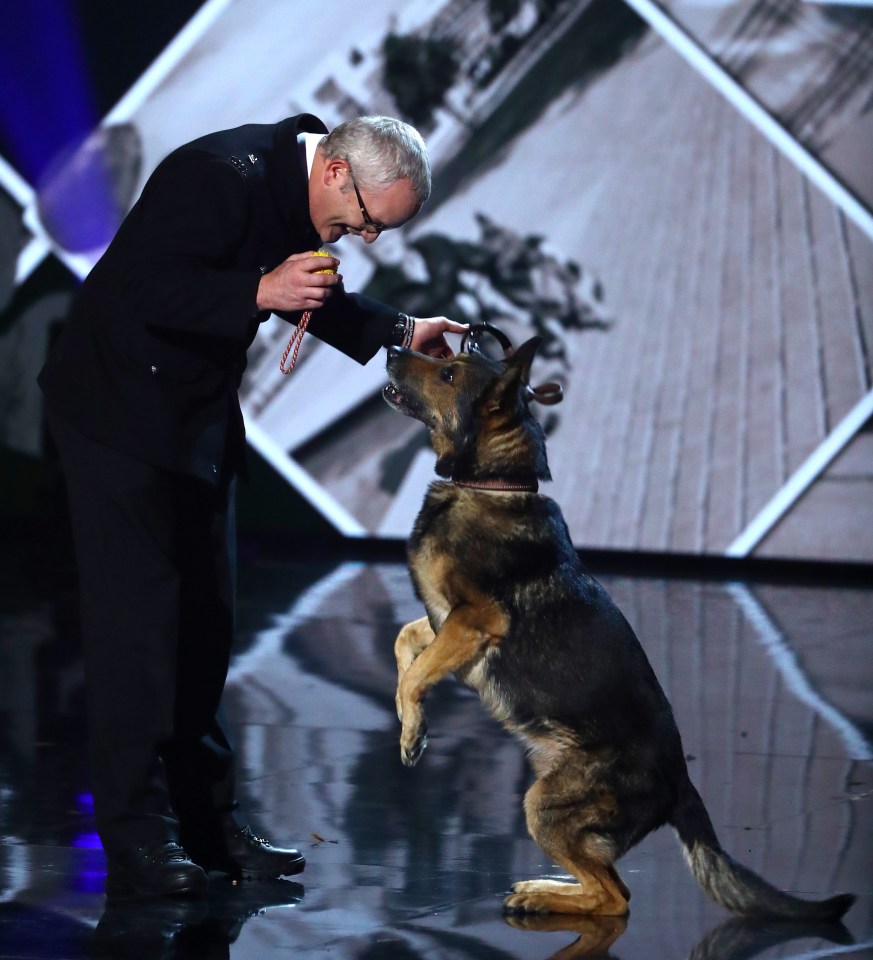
<point x="514" y="615"/>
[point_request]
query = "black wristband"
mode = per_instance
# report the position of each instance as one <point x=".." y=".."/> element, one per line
<point x="401" y="336"/>
<point x="398" y="334"/>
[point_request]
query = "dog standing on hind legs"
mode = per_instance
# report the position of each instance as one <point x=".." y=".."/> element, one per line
<point x="514" y="615"/>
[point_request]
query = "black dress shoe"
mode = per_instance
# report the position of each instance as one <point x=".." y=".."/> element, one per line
<point x="254" y="858"/>
<point x="156" y="869"/>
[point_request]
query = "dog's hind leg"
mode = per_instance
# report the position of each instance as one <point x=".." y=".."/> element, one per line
<point x="568" y="832"/>
<point x="411" y="640"/>
<point x="596" y="893"/>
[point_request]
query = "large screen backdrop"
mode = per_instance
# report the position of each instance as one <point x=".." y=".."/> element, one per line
<point x="676" y="197"/>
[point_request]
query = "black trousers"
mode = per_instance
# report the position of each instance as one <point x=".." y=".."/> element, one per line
<point x="155" y="556"/>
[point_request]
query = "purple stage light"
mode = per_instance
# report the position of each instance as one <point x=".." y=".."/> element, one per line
<point x="45" y="104"/>
<point x="51" y="126"/>
<point x="87" y="841"/>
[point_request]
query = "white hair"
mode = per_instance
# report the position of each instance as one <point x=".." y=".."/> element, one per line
<point x="380" y="151"/>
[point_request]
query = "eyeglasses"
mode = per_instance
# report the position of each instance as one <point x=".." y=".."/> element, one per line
<point x="370" y="225"/>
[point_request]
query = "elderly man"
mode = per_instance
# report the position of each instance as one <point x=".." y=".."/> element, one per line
<point x="141" y="396"/>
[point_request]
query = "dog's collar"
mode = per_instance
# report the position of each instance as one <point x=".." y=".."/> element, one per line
<point x="499" y="483"/>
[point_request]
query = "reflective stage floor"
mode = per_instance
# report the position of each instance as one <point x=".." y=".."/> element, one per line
<point x="771" y="685"/>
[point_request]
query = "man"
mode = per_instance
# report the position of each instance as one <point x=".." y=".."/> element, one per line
<point x="141" y="395"/>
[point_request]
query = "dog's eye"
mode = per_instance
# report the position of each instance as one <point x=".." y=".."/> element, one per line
<point x="447" y="374"/>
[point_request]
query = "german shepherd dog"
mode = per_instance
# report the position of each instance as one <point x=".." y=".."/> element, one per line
<point x="514" y="615"/>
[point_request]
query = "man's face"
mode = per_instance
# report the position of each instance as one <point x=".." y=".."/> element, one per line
<point x="335" y="210"/>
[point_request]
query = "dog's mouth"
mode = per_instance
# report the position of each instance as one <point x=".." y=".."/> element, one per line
<point x="395" y="397"/>
<point x="401" y="401"/>
<point x="391" y="392"/>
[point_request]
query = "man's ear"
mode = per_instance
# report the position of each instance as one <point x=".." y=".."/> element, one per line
<point x="336" y="171"/>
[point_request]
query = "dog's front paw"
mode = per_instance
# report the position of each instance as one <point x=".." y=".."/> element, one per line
<point x="413" y="740"/>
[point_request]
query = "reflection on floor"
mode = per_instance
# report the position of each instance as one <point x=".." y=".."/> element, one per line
<point x="770" y="684"/>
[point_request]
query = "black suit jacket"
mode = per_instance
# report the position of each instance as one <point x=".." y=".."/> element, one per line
<point x="153" y="352"/>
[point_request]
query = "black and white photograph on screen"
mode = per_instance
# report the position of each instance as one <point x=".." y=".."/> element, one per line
<point x="807" y="63"/>
<point x="683" y="270"/>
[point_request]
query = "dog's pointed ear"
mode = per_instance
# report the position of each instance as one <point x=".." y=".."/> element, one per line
<point x="513" y="382"/>
<point x="519" y="363"/>
<point x="520" y="360"/>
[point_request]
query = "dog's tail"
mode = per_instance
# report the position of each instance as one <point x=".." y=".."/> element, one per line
<point x="732" y="885"/>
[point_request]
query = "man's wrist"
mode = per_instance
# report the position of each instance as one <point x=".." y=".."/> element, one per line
<point x="260" y="291"/>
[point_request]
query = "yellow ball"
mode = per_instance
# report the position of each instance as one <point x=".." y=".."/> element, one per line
<point x="323" y="253"/>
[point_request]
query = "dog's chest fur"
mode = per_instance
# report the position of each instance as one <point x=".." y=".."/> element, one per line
<point x="563" y="656"/>
<point x="451" y="550"/>
<point x="469" y="551"/>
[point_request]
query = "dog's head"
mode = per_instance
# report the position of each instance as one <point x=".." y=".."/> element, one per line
<point x="476" y="409"/>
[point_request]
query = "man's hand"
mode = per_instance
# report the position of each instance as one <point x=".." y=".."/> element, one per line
<point x="429" y="336"/>
<point x="295" y="284"/>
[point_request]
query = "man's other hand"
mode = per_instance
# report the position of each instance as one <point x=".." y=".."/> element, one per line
<point x="296" y="285"/>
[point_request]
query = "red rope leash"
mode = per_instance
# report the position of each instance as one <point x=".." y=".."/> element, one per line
<point x="295" y="341"/>
<point x="300" y="330"/>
